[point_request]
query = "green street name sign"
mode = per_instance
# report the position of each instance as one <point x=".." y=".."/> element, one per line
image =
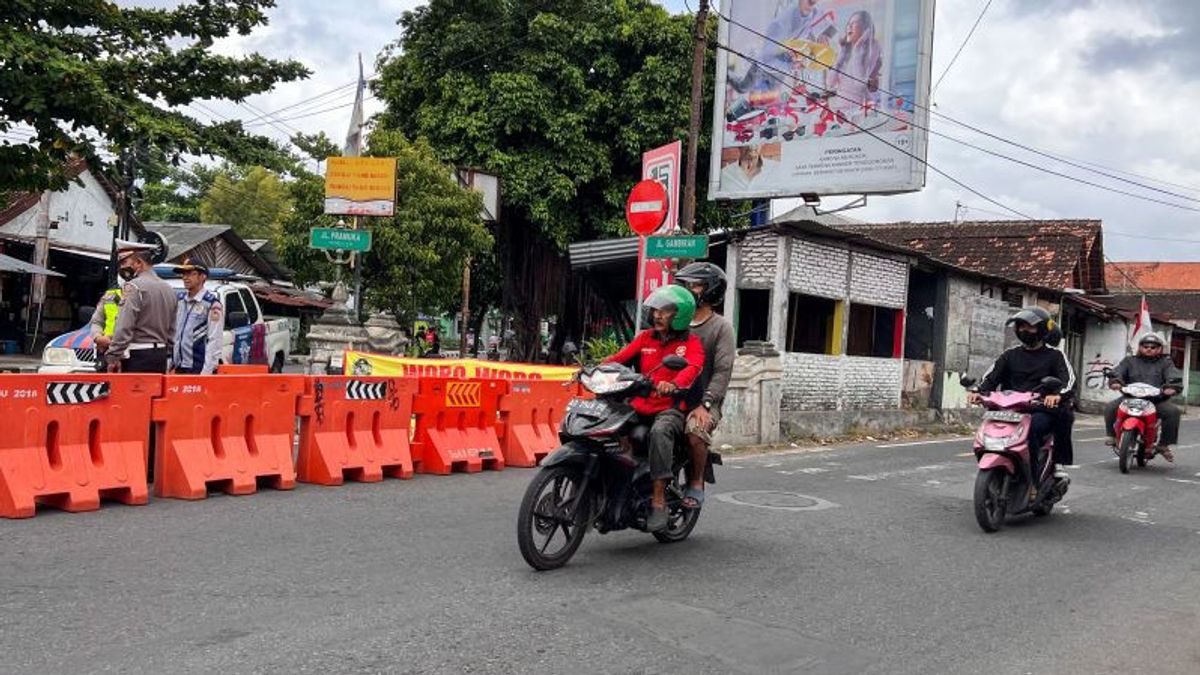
<point x="339" y="239"/>
<point x="679" y="246"/>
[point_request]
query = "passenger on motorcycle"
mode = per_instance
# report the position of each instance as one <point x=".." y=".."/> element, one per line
<point x="1153" y="367"/>
<point x="670" y="310"/>
<point x="707" y="283"/>
<point x="1023" y="368"/>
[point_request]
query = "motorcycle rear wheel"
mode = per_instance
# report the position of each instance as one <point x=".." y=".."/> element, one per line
<point x="680" y="521"/>
<point x="544" y="512"/>
<point x="989" y="507"/>
<point x="1126" y="448"/>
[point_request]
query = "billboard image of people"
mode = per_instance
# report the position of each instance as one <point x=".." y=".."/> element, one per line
<point x="821" y="97"/>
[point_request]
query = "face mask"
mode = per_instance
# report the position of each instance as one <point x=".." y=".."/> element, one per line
<point x="127" y="273"/>
<point x="1028" y="339"/>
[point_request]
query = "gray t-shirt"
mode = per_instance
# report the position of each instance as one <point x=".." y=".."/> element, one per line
<point x="720" y="347"/>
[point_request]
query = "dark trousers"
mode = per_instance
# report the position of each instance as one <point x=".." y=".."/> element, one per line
<point x="665" y="431"/>
<point x="1064" y="446"/>
<point x="1168" y="412"/>
<point x="146" y="361"/>
<point x="1042" y="425"/>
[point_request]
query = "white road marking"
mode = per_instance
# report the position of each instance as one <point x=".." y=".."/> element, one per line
<point x="905" y="472"/>
<point x="1184" y="480"/>
<point x="942" y="440"/>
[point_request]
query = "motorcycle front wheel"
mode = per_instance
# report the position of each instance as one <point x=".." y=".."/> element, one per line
<point x="551" y="522"/>
<point x="1126" y="448"/>
<point x="680" y="521"/>
<point x="989" y="499"/>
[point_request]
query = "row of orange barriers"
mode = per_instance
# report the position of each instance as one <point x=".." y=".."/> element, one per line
<point x="70" y="441"/>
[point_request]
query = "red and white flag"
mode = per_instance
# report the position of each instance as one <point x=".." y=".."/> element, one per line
<point x="1143" y="324"/>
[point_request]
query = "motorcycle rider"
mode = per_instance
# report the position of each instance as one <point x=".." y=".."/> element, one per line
<point x="707" y="283"/>
<point x="1153" y="367"/>
<point x="1022" y="369"/>
<point x="670" y="309"/>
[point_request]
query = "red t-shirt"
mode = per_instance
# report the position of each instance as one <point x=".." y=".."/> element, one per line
<point x="649" y="351"/>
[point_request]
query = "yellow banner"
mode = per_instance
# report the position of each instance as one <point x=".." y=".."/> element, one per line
<point x="360" y="186"/>
<point x="365" y="363"/>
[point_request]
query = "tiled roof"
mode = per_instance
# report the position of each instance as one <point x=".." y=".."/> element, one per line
<point x="1046" y="253"/>
<point x="1153" y="276"/>
<point x="1181" y="305"/>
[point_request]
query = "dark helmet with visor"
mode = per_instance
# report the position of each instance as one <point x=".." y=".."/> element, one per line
<point x="708" y="274"/>
<point x="1038" y="318"/>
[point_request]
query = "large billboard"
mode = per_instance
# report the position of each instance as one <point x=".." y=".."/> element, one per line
<point x="821" y="97"/>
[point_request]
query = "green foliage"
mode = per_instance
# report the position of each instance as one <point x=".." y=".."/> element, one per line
<point x="172" y="194"/>
<point x="599" y="348"/>
<point x="417" y="256"/>
<point x="559" y="97"/>
<point x="254" y="201"/>
<point x="72" y="65"/>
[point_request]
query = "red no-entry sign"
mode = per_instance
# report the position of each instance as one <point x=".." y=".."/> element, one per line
<point x="647" y="207"/>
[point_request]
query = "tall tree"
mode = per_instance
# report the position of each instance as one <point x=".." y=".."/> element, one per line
<point x="558" y="97"/>
<point x="72" y="65"/>
<point x="417" y="256"/>
<point x="254" y="201"/>
<point x="172" y="193"/>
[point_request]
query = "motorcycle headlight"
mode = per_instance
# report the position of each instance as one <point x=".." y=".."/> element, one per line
<point x="58" y="356"/>
<point x="605" y="383"/>
<point x="1137" y="407"/>
<point x="995" y="443"/>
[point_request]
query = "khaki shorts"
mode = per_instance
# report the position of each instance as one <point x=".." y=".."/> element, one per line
<point x="693" y="427"/>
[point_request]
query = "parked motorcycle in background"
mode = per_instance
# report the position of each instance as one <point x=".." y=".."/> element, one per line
<point x="1002" y="486"/>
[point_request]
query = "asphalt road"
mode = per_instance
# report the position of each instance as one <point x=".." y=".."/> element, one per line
<point x="839" y="561"/>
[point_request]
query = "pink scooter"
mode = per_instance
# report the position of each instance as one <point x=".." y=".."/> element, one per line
<point x="1005" y="464"/>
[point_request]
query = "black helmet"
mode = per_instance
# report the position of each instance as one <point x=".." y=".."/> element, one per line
<point x="1037" y="317"/>
<point x="710" y="275"/>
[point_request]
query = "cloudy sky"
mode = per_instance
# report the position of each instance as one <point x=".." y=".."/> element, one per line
<point x="1110" y="82"/>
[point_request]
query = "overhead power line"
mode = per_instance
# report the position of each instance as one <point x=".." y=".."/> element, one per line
<point x="961" y="47"/>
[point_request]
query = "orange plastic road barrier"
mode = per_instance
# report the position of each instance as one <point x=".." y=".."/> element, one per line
<point x="456" y="425"/>
<point x="71" y="440"/>
<point x="530" y="414"/>
<point x="243" y="369"/>
<point x="355" y="428"/>
<point x="227" y="433"/>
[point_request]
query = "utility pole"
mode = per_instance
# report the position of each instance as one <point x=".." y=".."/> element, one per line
<point x="41" y="256"/>
<point x="687" y="214"/>
<point x="466" y="308"/>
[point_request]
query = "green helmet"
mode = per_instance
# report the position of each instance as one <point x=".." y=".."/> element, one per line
<point x="672" y="297"/>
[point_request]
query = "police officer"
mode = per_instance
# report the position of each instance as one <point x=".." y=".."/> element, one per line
<point x="103" y="323"/>
<point x="141" y="339"/>
<point x="199" y="323"/>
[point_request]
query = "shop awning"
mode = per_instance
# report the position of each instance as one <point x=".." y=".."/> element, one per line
<point x="11" y="264"/>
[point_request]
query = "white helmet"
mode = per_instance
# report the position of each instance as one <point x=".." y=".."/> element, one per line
<point x="1152" y="338"/>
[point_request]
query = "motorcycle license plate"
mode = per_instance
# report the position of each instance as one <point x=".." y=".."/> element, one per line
<point x="1002" y="416"/>
<point x="587" y="406"/>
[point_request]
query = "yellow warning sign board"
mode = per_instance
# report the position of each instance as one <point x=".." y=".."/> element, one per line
<point x="462" y="394"/>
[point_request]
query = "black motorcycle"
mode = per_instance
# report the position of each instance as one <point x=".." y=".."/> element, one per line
<point x="600" y="477"/>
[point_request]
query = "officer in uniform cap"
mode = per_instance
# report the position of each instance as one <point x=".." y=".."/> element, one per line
<point x="141" y="339"/>
<point x="199" y="322"/>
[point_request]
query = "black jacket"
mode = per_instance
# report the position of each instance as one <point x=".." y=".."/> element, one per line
<point x="1020" y="369"/>
<point x="1158" y="372"/>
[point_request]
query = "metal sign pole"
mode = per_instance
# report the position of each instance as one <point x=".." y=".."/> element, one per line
<point x="641" y="283"/>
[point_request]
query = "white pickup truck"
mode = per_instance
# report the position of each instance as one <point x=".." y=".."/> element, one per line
<point x="248" y="338"/>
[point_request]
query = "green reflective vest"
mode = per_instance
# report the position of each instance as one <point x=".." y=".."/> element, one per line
<point x="112" y="304"/>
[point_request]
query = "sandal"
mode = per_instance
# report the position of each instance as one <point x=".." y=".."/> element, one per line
<point x="693" y="498"/>
<point x="657" y="521"/>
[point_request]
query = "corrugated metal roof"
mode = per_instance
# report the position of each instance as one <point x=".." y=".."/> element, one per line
<point x="11" y="264"/>
<point x="183" y="237"/>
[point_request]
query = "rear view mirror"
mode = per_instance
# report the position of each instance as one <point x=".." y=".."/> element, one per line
<point x="967" y="382"/>
<point x="674" y="362"/>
